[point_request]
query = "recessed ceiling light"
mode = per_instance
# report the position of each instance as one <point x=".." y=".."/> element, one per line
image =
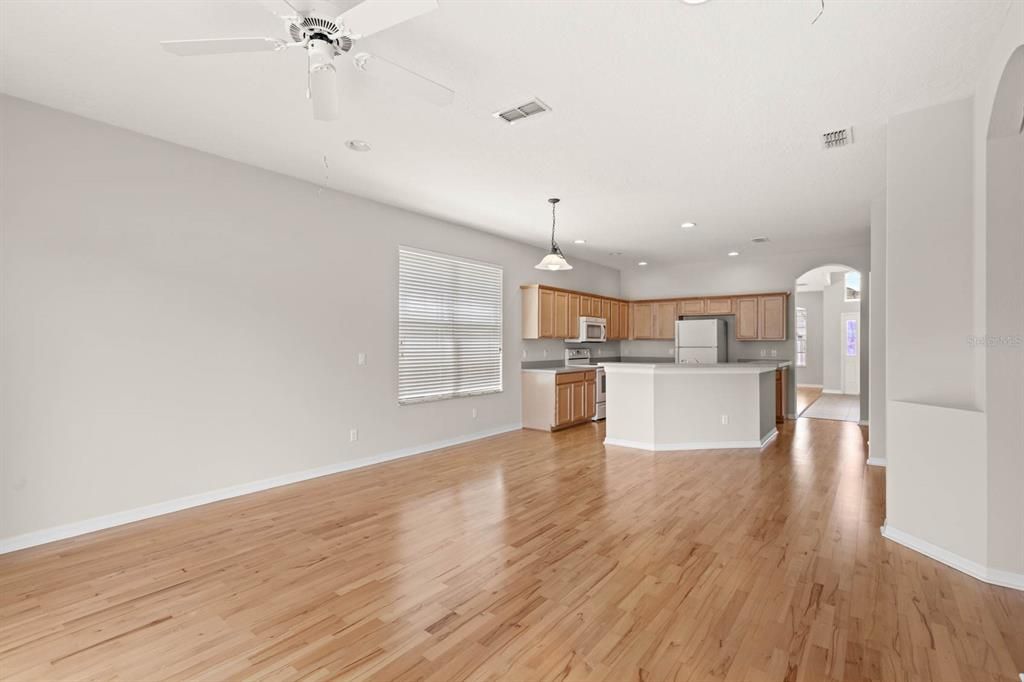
<point x="687" y="225"/>
<point x="358" y="146"/>
<point x="734" y="253"/>
<point x="642" y="263"/>
<point x="579" y="241"/>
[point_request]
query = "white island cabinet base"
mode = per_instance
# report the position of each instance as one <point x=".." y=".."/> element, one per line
<point x="686" y="407"/>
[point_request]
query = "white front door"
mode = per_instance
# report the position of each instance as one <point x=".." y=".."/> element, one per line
<point x="851" y="353"/>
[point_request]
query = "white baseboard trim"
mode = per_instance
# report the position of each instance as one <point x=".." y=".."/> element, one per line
<point x="809" y="386"/>
<point x="876" y="462"/>
<point x="47" y="535"/>
<point x="832" y="391"/>
<point x="715" y="445"/>
<point x="975" y="570"/>
<point x="863" y="422"/>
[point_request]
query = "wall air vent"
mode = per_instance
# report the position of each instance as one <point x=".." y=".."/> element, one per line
<point x="837" y="138"/>
<point x="522" y="112"/>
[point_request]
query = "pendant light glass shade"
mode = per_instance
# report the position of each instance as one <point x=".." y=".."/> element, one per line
<point x="554" y="260"/>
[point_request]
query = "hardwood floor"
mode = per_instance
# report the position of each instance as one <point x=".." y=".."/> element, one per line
<point x="805" y="395"/>
<point x="527" y="556"/>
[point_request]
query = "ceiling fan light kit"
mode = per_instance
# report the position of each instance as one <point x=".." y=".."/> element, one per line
<point x="324" y="38"/>
<point x="554" y="260"/>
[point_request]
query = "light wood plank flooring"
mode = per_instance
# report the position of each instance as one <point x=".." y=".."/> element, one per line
<point x="805" y="396"/>
<point x="527" y="556"/>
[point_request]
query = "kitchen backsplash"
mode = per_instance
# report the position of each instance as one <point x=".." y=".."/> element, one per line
<point x="553" y="349"/>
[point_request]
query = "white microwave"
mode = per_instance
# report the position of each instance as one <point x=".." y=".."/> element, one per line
<point x="592" y="330"/>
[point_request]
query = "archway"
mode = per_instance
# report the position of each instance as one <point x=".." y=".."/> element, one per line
<point x="829" y="343"/>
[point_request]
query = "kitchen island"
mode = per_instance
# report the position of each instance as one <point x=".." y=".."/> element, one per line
<point x="658" y="406"/>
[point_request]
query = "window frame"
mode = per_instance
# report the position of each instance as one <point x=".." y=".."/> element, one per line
<point x="798" y="338"/>
<point x="499" y="387"/>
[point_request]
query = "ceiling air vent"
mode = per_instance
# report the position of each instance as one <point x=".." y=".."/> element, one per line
<point x="837" y="138"/>
<point x="523" y="111"/>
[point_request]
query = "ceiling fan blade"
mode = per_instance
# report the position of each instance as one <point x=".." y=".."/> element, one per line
<point x="371" y="16"/>
<point x="195" y="48"/>
<point x="323" y="92"/>
<point x="399" y="78"/>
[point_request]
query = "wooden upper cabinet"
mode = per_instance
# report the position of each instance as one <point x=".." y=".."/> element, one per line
<point x="623" y="320"/>
<point x="606" y="309"/>
<point x="561" y="315"/>
<point x="613" y="320"/>
<point x="772" y="317"/>
<point x="747" y="318"/>
<point x="547" y="314"/>
<point x="665" y="320"/>
<point x="585" y="303"/>
<point x="642" y="315"/>
<point x="692" y="306"/>
<point x="718" y="306"/>
<point x="574" y="315"/>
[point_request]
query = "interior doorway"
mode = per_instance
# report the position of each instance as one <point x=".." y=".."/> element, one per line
<point x="828" y="343"/>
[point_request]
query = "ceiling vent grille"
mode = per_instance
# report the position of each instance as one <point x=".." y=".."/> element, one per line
<point x="522" y="112"/>
<point x="837" y="138"/>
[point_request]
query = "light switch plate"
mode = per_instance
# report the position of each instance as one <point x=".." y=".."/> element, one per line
<point x="361" y="359"/>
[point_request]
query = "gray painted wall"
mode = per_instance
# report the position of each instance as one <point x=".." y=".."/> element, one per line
<point x="813" y="373"/>
<point x="168" y="327"/>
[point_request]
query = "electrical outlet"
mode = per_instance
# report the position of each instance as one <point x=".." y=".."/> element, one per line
<point x="361" y="359"/>
<point x="775" y="352"/>
<point x="545" y="352"/>
<point x="353" y="435"/>
<point x="762" y="352"/>
<point x="524" y="354"/>
<point x="725" y="419"/>
<point x="474" y="413"/>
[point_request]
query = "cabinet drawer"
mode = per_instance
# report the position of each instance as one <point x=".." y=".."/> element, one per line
<point x="571" y="377"/>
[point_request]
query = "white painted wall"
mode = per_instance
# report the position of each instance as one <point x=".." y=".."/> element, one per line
<point x="175" y="323"/>
<point x="929" y="246"/>
<point x="813" y="374"/>
<point x="752" y="274"/>
<point x="834" y="306"/>
<point x="876" y="371"/>
<point x="1003" y="350"/>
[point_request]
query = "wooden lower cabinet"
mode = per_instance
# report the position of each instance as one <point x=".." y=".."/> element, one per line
<point x="553" y="401"/>
<point x="781" y="394"/>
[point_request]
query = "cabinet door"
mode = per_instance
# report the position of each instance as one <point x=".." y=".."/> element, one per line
<point x="772" y="315"/>
<point x="561" y="315"/>
<point x="563" y="404"/>
<point x="606" y="309"/>
<point x="746" y="318"/>
<point x="579" y="400"/>
<point x="718" y="306"/>
<point x="547" y="314"/>
<point x="623" y="320"/>
<point x="613" y="320"/>
<point x="665" y="320"/>
<point x="585" y="306"/>
<point x="643" y="320"/>
<point x="691" y="306"/>
<point x="574" y="315"/>
<point x="591" y="399"/>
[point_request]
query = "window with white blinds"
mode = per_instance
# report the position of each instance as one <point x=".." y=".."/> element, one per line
<point x="449" y="326"/>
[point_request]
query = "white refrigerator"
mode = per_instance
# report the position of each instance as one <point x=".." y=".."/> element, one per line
<point x="701" y="341"/>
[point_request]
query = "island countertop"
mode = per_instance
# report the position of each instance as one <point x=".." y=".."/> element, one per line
<point x="688" y="368"/>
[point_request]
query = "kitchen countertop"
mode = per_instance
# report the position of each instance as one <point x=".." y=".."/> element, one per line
<point x="702" y="368"/>
<point x="767" y="361"/>
<point x="559" y="370"/>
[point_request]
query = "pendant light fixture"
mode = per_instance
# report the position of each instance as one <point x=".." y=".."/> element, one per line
<point x="554" y="260"/>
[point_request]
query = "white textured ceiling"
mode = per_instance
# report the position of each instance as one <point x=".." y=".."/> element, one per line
<point x="662" y="112"/>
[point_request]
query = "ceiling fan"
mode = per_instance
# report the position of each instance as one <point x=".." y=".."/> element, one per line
<point x="326" y="29"/>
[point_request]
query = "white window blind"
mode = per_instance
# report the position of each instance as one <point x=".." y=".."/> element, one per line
<point x="801" y="337"/>
<point x="449" y="326"/>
